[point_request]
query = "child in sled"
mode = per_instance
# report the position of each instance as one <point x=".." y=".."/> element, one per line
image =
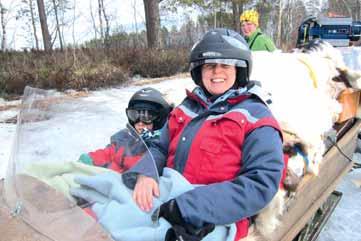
<point x="147" y="112"/>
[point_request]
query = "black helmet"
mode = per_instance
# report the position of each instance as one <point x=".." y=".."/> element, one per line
<point x="152" y="100"/>
<point x="222" y="46"/>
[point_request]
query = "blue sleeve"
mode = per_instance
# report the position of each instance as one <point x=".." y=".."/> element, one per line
<point x="230" y="201"/>
<point x="152" y="162"/>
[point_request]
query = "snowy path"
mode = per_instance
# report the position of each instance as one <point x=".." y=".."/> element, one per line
<point x="345" y="222"/>
<point x="83" y="126"/>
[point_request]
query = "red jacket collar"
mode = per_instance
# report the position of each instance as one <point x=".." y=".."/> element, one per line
<point x="238" y="99"/>
<point x="195" y="97"/>
<point x="231" y="100"/>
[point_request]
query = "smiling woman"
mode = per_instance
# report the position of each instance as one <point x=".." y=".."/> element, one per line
<point x="218" y="78"/>
<point x="222" y="137"/>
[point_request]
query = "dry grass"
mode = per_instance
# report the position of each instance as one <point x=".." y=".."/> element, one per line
<point x="158" y="80"/>
<point x="84" y="68"/>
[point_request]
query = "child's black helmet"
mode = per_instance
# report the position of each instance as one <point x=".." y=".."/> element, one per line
<point x="152" y="100"/>
<point x="222" y="46"/>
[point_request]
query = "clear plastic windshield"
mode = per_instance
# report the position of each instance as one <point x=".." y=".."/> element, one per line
<point x="53" y="130"/>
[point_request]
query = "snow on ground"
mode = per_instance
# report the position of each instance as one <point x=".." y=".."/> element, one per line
<point x="77" y="126"/>
<point x="344" y="223"/>
<point x="88" y="123"/>
<point x="7" y="133"/>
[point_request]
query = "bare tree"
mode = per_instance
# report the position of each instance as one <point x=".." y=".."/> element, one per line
<point x="57" y="25"/>
<point x="102" y="15"/>
<point x="152" y="21"/>
<point x="3" y="26"/>
<point x="75" y="59"/>
<point x="33" y="23"/>
<point x="357" y="15"/>
<point x="100" y="19"/>
<point x="279" y="22"/>
<point x="237" y="8"/>
<point x="93" y="20"/>
<point x="107" y="25"/>
<point x="294" y="12"/>
<point x="214" y="16"/>
<point x="44" y="26"/>
<point x="134" y="6"/>
<point x="64" y="7"/>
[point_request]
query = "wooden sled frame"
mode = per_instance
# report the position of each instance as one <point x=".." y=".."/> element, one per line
<point x="65" y="227"/>
<point x="313" y="191"/>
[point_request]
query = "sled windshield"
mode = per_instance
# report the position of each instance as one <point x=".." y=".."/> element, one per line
<point x="53" y="130"/>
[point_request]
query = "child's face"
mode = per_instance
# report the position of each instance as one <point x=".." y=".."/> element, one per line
<point x="139" y="126"/>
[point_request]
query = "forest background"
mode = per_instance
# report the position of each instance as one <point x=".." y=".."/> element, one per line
<point x="150" y="47"/>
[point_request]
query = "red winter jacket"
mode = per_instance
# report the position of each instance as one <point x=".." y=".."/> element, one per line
<point x="233" y="145"/>
<point x="120" y="155"/>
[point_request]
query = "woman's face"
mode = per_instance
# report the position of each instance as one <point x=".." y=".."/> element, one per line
<point x="218" y="78"/>
<point x="139" y="126"/>
<point x="248" y="28"/>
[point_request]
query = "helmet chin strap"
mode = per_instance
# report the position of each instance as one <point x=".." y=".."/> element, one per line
<point x="241" y="78"/>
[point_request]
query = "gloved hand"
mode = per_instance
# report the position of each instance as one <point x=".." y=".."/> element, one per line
<point x="180" y="229"/>
<point x="170" y="211"/>
<point x="86" y="159"/>
<point x="178" y="233"/>
<point x="149" y="134"/>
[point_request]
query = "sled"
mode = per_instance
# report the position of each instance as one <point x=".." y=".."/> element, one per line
<point x="35" y="199"/>
<point x="76" y="221"/>
<point x="297" y="223"/>
<point x="314" y="191"/>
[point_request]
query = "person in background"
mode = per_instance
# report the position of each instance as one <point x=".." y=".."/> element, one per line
<point x="256" y="40"/>
<point x="147" y="112"/>
<point x="222" y="137"/>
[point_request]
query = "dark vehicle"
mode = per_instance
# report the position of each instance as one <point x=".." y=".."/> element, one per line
<point x="338" y="31"/>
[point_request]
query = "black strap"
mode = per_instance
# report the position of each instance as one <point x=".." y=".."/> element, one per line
<point x="258" y="34"/>
<point x="252" y="83"/>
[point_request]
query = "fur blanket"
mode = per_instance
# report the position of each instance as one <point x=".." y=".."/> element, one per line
<point x="304" y="88"/>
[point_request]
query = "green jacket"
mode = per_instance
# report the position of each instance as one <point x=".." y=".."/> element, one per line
<point x="258" y="42"/>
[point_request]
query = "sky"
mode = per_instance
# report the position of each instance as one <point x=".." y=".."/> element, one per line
<point x="122" y="13"/>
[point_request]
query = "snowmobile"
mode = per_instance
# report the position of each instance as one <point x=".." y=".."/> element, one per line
<point x="339" y="31"/>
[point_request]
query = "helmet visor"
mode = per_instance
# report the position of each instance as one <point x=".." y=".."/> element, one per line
<point x="232" y="62"/>
<point x="145" y="116"/>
